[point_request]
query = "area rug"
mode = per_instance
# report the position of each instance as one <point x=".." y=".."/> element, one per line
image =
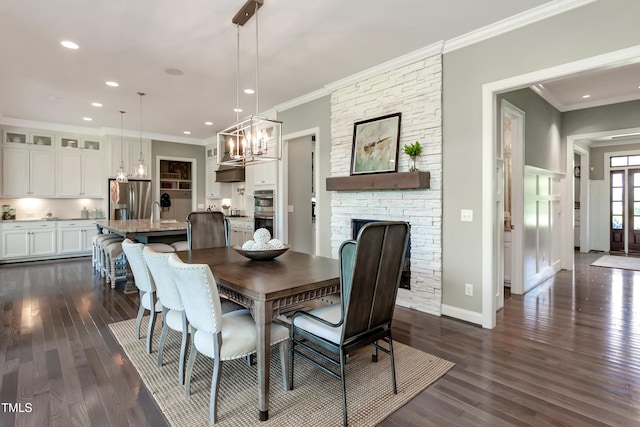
<point x="623" y="262"/>
<point x="316" y="399"/>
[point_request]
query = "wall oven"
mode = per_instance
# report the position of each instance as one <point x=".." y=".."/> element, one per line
<point x="264" y="210"/>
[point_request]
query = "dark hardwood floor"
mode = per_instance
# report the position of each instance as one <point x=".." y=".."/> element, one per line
<point x="567" y="353"/>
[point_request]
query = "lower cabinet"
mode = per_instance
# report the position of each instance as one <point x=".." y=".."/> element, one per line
<point x="28" y="239"/>
<point x="240" y="231"/>
<point x="24" y="240"/>
<point x="75" y="236"/>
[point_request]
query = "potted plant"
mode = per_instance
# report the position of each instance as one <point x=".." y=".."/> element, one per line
<point x="413" y="151"/>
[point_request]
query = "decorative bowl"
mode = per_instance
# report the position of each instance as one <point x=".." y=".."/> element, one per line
<point x="265" y="255"/>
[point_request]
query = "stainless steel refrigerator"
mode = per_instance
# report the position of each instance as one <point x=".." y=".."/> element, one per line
<point x="130" y="200"/>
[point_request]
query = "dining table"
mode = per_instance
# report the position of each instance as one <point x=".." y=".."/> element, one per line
<point x="267" y="288"/>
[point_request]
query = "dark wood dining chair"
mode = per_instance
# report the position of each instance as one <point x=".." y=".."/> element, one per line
<point x="207" y="230"/>
<point x="370" y="270"/>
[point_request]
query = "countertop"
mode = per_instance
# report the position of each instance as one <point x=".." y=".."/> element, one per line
<point x="50" y="219"/>
<point x="142" y="225"/>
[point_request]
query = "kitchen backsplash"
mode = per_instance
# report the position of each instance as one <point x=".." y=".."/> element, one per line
<point x="60" y="208"/>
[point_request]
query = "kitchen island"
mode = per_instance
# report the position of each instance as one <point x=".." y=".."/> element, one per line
<point x="146" y="231"/>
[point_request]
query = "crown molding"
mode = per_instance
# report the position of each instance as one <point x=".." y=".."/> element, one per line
<point x="548" y="96"/>
<point x="55" y="127"/>
<point x="103" y="131"/>
<point x="514" y="22"/>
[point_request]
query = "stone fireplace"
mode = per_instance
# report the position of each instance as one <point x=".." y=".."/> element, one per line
<point x="415" y="91"/>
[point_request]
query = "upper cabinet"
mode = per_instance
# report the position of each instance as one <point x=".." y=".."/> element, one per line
<point x="44" y="164"/>
<point x="264" y="174"/>
<point x="28" y="173"/>
<point x="79" y="174"/>
<point x="213" y="189"/>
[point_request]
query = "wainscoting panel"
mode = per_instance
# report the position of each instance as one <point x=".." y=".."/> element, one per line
<point x="542" y="225"/>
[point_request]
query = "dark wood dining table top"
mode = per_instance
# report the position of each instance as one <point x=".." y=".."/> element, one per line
<point x="289" y="274"/>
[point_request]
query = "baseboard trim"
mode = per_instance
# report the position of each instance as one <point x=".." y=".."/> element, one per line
<point x="462" y="314"/>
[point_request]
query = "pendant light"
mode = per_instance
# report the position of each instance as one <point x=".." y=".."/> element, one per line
<point x="121" y="175"/>
<point x="254" y="139"/>
<point x="141" y="167"/>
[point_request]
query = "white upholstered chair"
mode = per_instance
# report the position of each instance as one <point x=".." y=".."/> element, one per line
<point x="173" y="314"/>
<point x="220" y="337"/>
<point x="146" y="287"/>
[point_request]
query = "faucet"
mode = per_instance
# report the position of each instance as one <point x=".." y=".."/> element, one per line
<point x="153" y="210"/>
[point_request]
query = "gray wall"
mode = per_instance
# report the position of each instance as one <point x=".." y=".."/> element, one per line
<point x="542" y="124"/>
<point x="594" y="29"/>
<point x="177" y="150"/>
<point x="316" y="113"/>
<point x="596" y="157"/>
<point x="624" y="115"/>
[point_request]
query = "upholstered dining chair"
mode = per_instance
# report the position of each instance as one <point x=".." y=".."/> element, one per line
<point x="207" y="230"/>
<point x="173" y="313"/>
<point x="217" y="336"/>
<point x="146" y="287"/>
<point x="370" y="270"/>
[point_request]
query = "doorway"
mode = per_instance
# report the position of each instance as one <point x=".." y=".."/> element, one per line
<point x="301" y="194"/>
<point x="490" y="91"/>
<point x="177" y="184"/>
<point x="624" y="205"/>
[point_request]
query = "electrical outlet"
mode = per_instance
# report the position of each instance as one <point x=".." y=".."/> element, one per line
<point x="468" y="289"/>
<point x="466" y="215"/>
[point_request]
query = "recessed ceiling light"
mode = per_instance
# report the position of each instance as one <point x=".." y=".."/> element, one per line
<point x="87" y="119"/>
<point x="586" y="96"/>
<point x="112" y="84"/>
<point x="187" y="132"/>
<point x="96" y="104"/>
<point x="208" y="123"/>
<point x="69" y="44"/>
<point x="237" y="110"/>
<point x="249" y="91"/>
<point x="174" y="71"/>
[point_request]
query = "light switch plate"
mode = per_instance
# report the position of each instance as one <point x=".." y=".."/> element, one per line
<point x="290" y="208"/>
<point x="466" y="215"/>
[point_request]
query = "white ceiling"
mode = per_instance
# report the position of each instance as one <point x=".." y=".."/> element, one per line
<point x="304" y="45"/>
<point x="613" y="84"/>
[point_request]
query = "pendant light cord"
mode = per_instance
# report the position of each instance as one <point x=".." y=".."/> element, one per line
<point x="141" y="95"/>
<point x="257" y="66"/>
<point x="237" y="72"/>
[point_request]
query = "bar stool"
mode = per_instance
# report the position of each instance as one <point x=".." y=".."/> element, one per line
<point x="115" y="262"/>
<point x="96" y="256"/>
<point x="182" y="245"/>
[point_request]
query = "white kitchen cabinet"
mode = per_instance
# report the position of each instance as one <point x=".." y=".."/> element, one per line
<point x="264" y="174"/>
<point x="240" y="230"/>
<point x="79" y="174"/>
<point x="215" y="190"/>
<point x="75" y="236"/>
<point x="28" y="172"/>
<point x="28" y="239"/>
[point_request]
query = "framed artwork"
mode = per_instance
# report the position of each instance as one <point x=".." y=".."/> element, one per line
<point x="375" y="145"/>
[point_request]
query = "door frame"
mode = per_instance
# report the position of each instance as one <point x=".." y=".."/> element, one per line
<point x="517" y="196"/>
<point x="489" y="123"/>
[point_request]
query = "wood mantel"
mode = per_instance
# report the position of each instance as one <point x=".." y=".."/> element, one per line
<point x="381" y="181"/>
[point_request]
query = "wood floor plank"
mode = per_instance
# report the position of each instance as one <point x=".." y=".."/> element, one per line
<point x="565" y="354"/>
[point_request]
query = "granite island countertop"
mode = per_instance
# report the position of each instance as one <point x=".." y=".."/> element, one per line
<point x="141" y="225"/>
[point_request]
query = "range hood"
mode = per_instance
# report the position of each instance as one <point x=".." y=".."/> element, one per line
<point x="230" y="174"/>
